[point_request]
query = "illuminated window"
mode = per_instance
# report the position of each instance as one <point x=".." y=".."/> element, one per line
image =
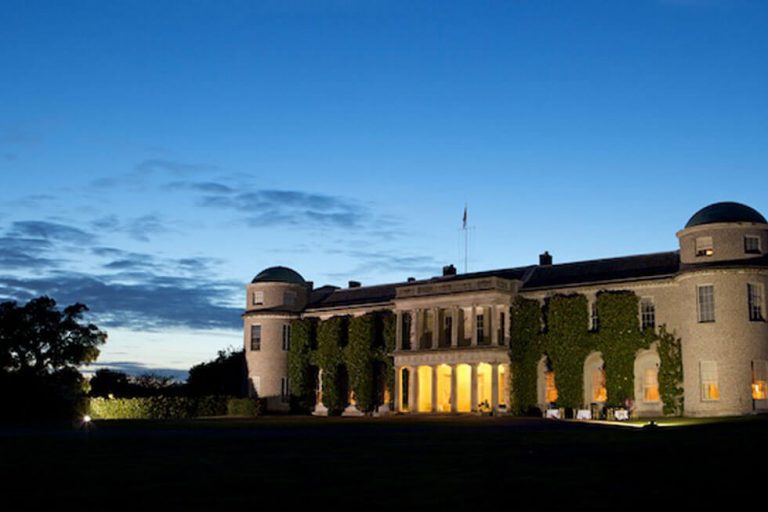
<point x="599" y="392"/>
<point x="759" y="380"/>
<point x="752" y="244"/>
<point x="551" y="389"/>
<point x="286" y="337"/>
<point x="710" y="389"/>
<point x="706" y="303"/>
<point x="258" y="298"/>
<point x="255" y="337"/>
<point x="755" y="300"/>
<point x="651" y="385"/>
<point x="704" y="246"/>
<point x="647" y="313"/>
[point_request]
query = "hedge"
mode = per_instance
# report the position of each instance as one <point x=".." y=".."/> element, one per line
<point x="171" y="407"/>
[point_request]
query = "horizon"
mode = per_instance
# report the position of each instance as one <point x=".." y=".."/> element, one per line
<point x="156" y="159"/>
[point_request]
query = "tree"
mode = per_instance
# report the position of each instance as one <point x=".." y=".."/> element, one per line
<point x="225" y="375"/>
<point x="107" y="382"/>
<point x="41" y="348"/>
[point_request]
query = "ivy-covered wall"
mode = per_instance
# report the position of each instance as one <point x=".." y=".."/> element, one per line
<point x="560" y="331"/>
<point x="354" y="352"/>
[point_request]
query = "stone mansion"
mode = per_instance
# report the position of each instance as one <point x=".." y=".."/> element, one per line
<point x="452" y="332"/>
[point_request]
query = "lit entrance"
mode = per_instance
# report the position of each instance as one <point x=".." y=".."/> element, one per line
<point x="484" y="384"/>
<point x="463" y="388"/>
<point x="444" y="375"/>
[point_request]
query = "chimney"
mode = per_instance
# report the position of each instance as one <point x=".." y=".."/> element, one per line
<point x="355" y="284"/>
<point x="449" y="270"/>
<point x="545" y="259"/>
<point x="411" y="279"/>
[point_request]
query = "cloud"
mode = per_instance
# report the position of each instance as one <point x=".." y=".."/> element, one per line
<point x="24" y="253"/>
<point x="153" y="165"/>
<point x="134" y="368"/>
<point x="209" y="187"/>
<point x="50" y="231"/>
<point x="138" y="228"/>
<point x="378" y="262"/>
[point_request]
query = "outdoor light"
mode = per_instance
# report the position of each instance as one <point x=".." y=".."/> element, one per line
<point x="86" y="419"/>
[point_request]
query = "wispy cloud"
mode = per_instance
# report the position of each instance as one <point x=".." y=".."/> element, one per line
<point x="172" y="166"/>
<point x="50" y="231"/>
<point x="139" y="228"/>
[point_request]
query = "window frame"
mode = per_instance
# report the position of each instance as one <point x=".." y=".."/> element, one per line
<point x="758" y="250"/>
<point x="257" y="293"/>
<point x="751" y="307"/>
<point x="705" y="383"/>
<point x="699" y="304"/>
<point x="257" y="345"/>
<point x="647" y="386"/>
<point x="286" y="337"/>
<point x="480" y="327"/>
<point x="759" y="366"/>
<point x="702" y="249"/>
<point x="645" y="313"/>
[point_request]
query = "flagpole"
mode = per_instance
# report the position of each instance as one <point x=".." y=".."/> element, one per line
<point x="466" y="240"/>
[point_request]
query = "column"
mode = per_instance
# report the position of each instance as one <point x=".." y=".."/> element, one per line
<point x="454" y="387"/>
<point x="474" y="395"/>
<point x="434" y="387"/>
<point x="473" y="326"/>
<point x="413" y="400"/>
<point x="493" y="322"/>
<point x="454" y="327"/>
<point x="398" y="330"/>
<point x="435" y="328"/>
<point x="398" y="389"/>
<point x="494" y="386"/>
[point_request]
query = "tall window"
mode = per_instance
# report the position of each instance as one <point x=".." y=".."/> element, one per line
<point x="651" y="385"/>
<point x="551" y="389"/>
<point x="704" y="246"/>
<point x="502" y="329"/>
<point x="710" y="388"/>
<point x="647" y="314"/>
<point x="755" y="301"/>
<point x="285" y="392"/>
<point x="599" y="391"/>
<point x="258" y="298"/>
<point x="480" y="328"/>
<point x="706" y="303"/>
<point x="759" y="380"/>
<point x="255" y="337"/>
<point x="406" y="332"/>
<point x="448" y="332"/>
<point x="752" y="244"/>
<point x="594" y="320"/>
<point x="286" y="337"/>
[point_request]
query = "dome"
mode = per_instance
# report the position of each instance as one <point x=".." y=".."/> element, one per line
<point x="725" y="212"/>
<point x="279" y="275"/>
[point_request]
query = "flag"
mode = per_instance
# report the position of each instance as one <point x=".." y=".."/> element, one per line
<point x="464" y="220"/>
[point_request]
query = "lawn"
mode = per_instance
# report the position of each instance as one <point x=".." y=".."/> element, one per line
<point x="384" y="463"/>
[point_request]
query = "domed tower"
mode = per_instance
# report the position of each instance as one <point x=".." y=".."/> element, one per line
<point x="276" y="296"/>
<point x="722" y="310"/>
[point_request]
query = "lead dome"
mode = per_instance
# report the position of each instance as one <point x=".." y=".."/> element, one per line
<point x="725" y="212"/>
<point x="279" y="275"/>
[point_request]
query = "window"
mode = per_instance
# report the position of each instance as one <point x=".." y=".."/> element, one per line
<point x="710" y="390"/>
<point x="255" y="337"/>
<point x="755" y="302"/>
<point x="258" y="298"/>
<point x="647" y="313"/>
<point x="651" y="385"/>
<point x="704" y="246"/>
<point x="480" y="328"/>
<point x="406" y="332"/>
<point x="752" y="244"/>
<point x="599" y="391"/>
<point x="502" y="329"/>
<point x="551" y="389"/>
<point x="759" y="380"/>
<point x="594" y="320"/>
<point x="706" y="303"/>
<point x="285" y="392"/>
<point x="289" y="298"/>
<point x="448" y="329"/>
<point x="286" y="337"/>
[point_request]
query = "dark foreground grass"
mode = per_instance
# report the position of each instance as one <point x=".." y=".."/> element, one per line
<point x="394" y="463"/>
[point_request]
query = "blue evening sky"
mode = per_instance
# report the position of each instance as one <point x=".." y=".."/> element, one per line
<point x="156" y="155"/>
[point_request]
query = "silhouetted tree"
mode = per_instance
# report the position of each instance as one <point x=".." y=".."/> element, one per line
<point x="40" y="349"/>
<point x="225" y="375"/>
<point x="107" y="382"/>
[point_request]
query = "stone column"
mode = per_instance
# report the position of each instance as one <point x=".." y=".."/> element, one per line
<point x="454" y="327"/>
<point x="493" y="325"/>
<point x="435" y="328"/>
<point x="474" y="395"/>
<point x="494" y="386"/>
<point x="413" y="401"/>
<point x="399" y="330"/>
<point x="398" y="389"/>
<point x="435" y="371"/>
<point x="473" y="324"/>
<point x="454" y="387"/>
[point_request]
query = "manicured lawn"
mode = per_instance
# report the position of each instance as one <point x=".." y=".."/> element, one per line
<point x="393" y="463"/>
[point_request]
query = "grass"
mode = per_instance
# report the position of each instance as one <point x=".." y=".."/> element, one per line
<point x="382" y="463"/>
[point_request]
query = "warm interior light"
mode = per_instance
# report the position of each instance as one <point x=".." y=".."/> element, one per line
<point x="463" y="388"/>
<point x="551" y="395"/>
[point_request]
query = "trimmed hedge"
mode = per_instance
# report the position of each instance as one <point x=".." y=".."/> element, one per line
<point x="171" y="407"/>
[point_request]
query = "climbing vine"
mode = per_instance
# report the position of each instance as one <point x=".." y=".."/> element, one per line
<point x="358" y="356"/>
<point x="524" y="354"/>
<point x="331" y="337"/>
<point x="670" y="372"/>
<point x="303" y="334"/>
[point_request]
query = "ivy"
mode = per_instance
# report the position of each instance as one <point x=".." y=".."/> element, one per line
<point x="331" y="337"/>
<point x="567" y="345"/>
<point x="524" y="353"/>
<point x="358" y="356"/>
<point x="670" y="372"/>
<point x="388" y="333"/>
<point x="303" y="337"/>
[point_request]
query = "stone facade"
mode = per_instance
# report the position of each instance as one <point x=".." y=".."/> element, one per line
<point x="452" y="331"/>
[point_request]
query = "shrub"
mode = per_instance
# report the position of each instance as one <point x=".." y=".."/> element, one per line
<point x="243" y="407"/>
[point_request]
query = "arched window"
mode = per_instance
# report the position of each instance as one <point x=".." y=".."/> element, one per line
<point x="547" y="388"/>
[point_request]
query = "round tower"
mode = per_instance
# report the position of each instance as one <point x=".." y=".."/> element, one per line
<point x="722" y="310"/>
<point x="276" y="296"/>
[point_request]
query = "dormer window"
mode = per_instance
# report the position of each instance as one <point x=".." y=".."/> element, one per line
<point x="752" y="244"/>
<point x="704" y="246"/>
<point x="289" y="298"/>
<point x="258" y="298"/>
